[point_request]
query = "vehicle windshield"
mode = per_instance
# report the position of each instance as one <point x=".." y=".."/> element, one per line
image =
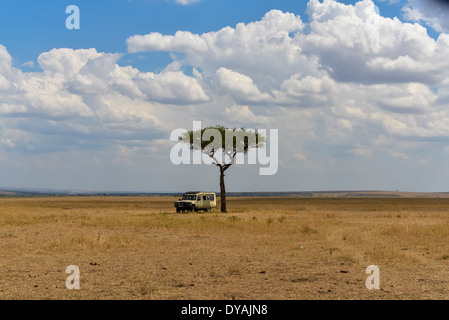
<point x="189" y="197"/>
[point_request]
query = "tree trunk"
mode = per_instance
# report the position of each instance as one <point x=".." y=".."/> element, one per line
<point x="222" y="190"/>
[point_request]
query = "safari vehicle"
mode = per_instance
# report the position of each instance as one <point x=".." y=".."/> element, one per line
<point x="195" y="201"/>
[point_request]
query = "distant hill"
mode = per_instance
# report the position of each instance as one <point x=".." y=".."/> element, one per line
<point x="15" y="193"/>
<point x="385" y="194"/>
<point x="65" y="193"/>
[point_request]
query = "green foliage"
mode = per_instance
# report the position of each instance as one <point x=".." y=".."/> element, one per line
<point x="229" y="140"/>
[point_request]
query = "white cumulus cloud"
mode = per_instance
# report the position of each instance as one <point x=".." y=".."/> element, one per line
<point x="434" y="13"/>
<point x="349" y="83"/>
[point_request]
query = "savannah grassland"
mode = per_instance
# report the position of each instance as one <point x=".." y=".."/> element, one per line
<point x="263" y="248"/>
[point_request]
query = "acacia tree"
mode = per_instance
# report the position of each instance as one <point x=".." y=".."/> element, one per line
<point x="223" y="145"/>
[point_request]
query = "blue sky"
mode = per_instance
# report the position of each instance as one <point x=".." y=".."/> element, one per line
<point x="31" y="27"/>
<point x="357" y="89"/>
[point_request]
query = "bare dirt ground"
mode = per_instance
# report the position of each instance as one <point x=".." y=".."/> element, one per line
<point x="263" y="248"/>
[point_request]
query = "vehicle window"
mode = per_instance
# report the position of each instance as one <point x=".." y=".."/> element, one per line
<point x="205" y="198"/>
<point x="189" y="197"/>
<point x="198" y="198"/>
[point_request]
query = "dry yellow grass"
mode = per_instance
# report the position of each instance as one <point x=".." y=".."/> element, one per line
<point x="263" y="248"/>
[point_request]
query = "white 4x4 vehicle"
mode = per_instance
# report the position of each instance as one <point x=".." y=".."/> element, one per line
<point x="195" y="201"/>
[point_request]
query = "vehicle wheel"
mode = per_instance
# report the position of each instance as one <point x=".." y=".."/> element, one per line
<point x="208" y="209"/>
<point x="193" y="208"/>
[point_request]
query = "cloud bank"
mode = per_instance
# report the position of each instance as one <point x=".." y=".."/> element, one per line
<point x="349" y="84"/>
